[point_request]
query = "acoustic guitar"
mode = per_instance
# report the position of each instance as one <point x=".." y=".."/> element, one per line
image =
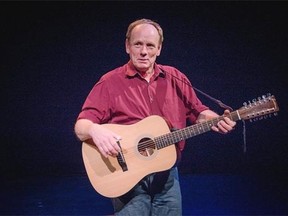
<point x="148" y="146"/>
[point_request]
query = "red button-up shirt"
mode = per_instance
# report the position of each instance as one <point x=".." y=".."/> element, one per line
<point x="123" y="96"/>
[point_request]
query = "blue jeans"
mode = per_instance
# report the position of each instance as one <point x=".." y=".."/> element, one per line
<point x="156" y="194"/>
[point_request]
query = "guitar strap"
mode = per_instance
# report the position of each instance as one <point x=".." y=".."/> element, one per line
<point x="224" y="106"/>
<point x="220" y="103"/>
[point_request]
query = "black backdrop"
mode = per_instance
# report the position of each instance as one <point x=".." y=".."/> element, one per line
<point x="52" y="53"/>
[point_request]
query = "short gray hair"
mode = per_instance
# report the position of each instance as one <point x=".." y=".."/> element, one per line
<point x="145" y="21"/>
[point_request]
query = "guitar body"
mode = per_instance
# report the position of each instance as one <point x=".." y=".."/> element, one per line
<point x="107" y="176"/>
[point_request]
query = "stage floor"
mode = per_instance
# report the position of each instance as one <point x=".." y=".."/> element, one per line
<point x="202" y="195"/>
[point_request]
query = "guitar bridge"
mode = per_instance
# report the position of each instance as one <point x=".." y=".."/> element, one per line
<point x="121" y="159"/>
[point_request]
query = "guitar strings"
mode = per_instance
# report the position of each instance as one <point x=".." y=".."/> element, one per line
<point x="169" y="139"/>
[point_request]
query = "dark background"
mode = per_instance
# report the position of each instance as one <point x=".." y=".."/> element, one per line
<point x="52" y="53"/>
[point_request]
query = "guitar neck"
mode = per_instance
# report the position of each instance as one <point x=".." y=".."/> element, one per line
<point x="191" y="131"/>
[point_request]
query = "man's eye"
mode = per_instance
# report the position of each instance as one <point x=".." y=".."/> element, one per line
<point x="150" y="46"/>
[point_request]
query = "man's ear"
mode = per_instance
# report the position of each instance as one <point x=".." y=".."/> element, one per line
<point x="159" y="50"/>
<point x="127" y="46"/>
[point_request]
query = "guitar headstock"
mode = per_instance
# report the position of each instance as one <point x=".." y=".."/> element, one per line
<point x="259" y="108"/>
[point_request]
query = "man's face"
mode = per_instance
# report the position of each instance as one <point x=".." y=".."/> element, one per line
<point x="144" y="47"/>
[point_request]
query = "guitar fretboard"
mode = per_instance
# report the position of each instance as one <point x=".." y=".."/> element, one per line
<point x="193" y="130"/>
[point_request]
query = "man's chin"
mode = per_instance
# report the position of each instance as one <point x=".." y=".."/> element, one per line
<point x="142" y="67"/>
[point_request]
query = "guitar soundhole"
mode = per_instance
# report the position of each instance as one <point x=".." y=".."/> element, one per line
<point x="146" y="147"/>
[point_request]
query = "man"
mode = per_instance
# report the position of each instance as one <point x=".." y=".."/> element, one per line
<point x="132" y="92"/>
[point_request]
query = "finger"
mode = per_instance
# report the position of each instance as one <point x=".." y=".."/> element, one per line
<point x="223" y="127"/>
<point x="103" y="151"/>
<point x="229" y="122"/>
<point x="116" y="143"/>
<point x="109" y="148"/>
<point x="214" y="128"/>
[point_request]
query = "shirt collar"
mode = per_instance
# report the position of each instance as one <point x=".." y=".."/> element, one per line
<point x="132" y="71"/>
